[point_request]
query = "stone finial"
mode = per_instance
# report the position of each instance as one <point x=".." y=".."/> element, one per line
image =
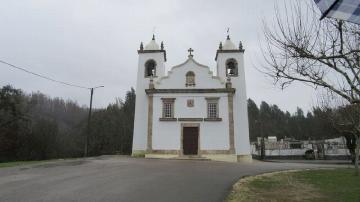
<point x="220" y="46"/>
<point x="162" y="46"/>
<point x="240" y="46"/>
<point x="141" y="46"/>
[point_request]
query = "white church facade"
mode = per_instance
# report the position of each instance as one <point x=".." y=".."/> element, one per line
<point x="190" y="111"/>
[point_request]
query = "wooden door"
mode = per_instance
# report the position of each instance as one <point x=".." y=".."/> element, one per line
<point x="190" y="140"/>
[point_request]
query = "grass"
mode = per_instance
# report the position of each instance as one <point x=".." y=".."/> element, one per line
<point x="309" y="185"/>
<point x="24" y="163"/>
<point x="138" y="155"/>
<point x="21" y="163"/>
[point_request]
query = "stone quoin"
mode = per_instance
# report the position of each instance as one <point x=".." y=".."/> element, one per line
<point x="189" y="111"/>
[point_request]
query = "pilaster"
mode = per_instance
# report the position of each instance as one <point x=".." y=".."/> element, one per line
<point x="231" y="123"/>
<point x="150" y="123"/>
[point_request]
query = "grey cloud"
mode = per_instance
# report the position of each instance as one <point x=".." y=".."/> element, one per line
<point x="95" y="42"/>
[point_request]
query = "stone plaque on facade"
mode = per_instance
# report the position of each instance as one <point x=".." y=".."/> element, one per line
<point x="190" y="103"/>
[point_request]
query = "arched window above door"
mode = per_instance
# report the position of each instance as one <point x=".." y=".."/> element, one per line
<point x="190" y="79"/>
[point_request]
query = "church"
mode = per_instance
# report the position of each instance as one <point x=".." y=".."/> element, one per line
<point x="190" y="112"/>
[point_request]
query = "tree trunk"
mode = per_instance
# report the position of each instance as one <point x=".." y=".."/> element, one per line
<point x="357" y="150"/>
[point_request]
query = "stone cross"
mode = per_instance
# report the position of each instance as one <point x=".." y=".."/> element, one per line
<point x="190" y="50"/>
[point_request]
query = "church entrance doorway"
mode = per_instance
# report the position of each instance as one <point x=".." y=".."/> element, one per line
<point x="190" y="140"/>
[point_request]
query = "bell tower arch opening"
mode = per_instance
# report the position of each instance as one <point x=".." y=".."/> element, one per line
<point x="231" y="67"/>
<point x="150" y="68"/>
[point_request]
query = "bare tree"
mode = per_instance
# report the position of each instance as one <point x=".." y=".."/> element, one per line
<point x="347" y="120"/>
<point x="323" y="54"/>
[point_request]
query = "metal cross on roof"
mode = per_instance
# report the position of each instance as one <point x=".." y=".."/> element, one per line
<point x="228" y="33"/>
<point x="190" y="50"/>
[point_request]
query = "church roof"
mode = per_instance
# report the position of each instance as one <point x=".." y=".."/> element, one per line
<point x="228" y="45"/>
<point x="152" y="45"/>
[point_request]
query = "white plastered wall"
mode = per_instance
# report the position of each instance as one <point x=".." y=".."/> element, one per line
<point x="213" y="135"/>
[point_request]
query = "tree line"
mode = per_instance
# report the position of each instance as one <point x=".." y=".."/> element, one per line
<point x="318" y="124"/>
<point x="36" y="127"/>
<point x="270" y="120"/>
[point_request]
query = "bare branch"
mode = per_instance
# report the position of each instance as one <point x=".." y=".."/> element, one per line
<point x="321" y="53"/>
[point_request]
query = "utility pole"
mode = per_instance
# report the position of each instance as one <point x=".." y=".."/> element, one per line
<point x="89" y="119"/>
<point x="263" y="151"/>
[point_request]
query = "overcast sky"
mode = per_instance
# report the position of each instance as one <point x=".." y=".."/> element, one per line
<point x="95" y="42"/>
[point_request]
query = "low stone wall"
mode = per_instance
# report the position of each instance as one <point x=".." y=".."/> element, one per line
<point x="285" y="152"/>
<point x="284" y="157"/>
<point x="329" y="153"/>
<point x="301" y="157"/>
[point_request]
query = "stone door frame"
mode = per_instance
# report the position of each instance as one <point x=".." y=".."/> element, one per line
<point x="183" y="125"/>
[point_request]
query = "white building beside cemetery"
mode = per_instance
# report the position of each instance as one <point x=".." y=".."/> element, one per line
<point x="190" y="111"/>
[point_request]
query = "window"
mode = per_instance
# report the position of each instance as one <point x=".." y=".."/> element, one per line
<point x="212" y="107"/>
<point x="150" y="68"/>
<point x="168" y="110"/>
<point x="168" y="107"/>
<point x="190" y="79"/>
<point x="212" y="110"/>
<point x="295" y="145"/>
<point x="231" y="67"/>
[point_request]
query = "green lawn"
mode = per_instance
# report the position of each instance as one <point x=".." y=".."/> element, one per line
<point x="24" y="163"/>
<point x="21" y="163"/>
<point x="309" y="185"/>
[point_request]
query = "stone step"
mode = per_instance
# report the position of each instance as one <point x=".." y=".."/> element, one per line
<point x="198" y="158"/>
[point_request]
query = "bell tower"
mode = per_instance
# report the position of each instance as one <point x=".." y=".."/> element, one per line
<point x="151" y="66"/>
<point x="229" y="59"/>
<point x="230" y="67"/>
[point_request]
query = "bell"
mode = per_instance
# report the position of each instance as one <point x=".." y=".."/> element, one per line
<point x="231" y="72"/>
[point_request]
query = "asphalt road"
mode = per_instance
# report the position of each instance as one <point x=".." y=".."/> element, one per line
<point x="116" y="178"/>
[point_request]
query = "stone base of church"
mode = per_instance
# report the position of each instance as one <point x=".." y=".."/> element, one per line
<point x="221" y="157"/>
<point x="215" y="155"/>
<point x="244" y="158"/>
<point x="161" y="156"/>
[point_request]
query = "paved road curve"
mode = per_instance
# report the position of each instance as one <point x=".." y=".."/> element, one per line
<point x="116" y="178"/>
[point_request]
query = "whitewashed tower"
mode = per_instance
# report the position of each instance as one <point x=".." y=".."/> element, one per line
<point x="230" y="66"/>
<point x="151" y="65"/>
